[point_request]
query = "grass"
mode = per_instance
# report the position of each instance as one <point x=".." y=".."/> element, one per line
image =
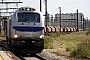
<point x="76" y="43"/>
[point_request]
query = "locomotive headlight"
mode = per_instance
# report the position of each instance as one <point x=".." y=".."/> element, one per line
<point x="15" y="36"/>
<point x="41" y="36"/>
<point x="27" y="9"/>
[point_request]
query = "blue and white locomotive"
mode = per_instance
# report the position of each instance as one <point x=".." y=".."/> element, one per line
<point x="25" y="29"/>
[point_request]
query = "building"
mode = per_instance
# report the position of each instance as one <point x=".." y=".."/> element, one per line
<point x="50" y="20"/>
<point x="69" y="20"/>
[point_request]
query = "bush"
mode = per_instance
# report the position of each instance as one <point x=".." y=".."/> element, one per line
<point x="88" y="33"/>
<point x="82" y="50"/>
<point x="70" y="48"/>
<point x="48" y="41"/>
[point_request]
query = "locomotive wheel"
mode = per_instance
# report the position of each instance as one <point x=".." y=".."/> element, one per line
<point x="7" y="41"/>
<point x="10" y="43"/>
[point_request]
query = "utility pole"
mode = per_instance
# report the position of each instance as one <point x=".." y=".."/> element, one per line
<point x="40" y="6"/>
<point x="77" y="20"/>
<point x="86" y="22"/>
<point x="60" y="19"/>
<point x="46" y="15"/>
<point x="2" y="1"/>
<point x="83" y="22"/>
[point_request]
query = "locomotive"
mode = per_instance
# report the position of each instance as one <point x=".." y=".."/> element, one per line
<point x="25" y="30"/>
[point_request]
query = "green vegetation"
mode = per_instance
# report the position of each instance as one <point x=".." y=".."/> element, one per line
<point x="82" y="50"/>
<point x="76" y="43"/>
<point x="49" y="40"/>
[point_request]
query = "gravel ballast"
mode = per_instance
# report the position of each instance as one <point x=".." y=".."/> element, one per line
<point x="50" y="56"/>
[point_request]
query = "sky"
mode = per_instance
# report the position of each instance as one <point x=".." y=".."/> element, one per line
<point x="67" y="6"/>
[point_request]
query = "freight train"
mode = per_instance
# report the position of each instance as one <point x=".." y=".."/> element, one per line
<point x="54" y="29"/>
<point x="25" y="30"/>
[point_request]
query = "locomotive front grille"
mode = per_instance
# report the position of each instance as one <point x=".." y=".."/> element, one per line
<point x="29" y="42"/>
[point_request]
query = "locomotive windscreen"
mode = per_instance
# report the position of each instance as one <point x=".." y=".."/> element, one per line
<point x="28" y="17"/>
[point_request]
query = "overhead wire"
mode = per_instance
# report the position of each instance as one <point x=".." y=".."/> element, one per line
<point x="53" y="10"/>
<point x="35" y="5"/>
<point x="23" y="0"/>
<point x="30" y="2"/>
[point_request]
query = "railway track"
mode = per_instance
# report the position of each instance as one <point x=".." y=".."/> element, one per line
<point x="44" y="55"/>
<point x="15" y="56"/>
<point x="30" y="57"/>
